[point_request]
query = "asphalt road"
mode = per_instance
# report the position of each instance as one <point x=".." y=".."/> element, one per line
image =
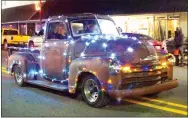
<point x="37" y="101"/>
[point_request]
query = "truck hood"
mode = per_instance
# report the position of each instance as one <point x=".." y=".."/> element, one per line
<point x="126" y="50"/>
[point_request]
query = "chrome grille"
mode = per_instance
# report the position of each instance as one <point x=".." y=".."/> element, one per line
<point x="142" y="79"/>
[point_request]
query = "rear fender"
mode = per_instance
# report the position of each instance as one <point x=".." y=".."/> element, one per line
<point x="26" y="61"/>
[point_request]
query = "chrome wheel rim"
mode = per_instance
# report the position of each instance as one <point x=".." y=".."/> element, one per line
<point x="91" y="90"/>
<point x="18" y="75"/>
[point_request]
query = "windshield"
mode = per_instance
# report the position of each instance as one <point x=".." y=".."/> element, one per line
<point x="107" y="27"/>
<point x="85" y="26"/>
<point x="93" y="26"/>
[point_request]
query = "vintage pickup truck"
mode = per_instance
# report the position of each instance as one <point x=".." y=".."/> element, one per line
<point x="85" y="54"/>
<point x="11" y="37"/>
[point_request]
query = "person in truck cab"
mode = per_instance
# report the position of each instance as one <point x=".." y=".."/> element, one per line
<point x="59" y="32"/>
<point x="62" y="34"/>
<point x="91" y="27"/>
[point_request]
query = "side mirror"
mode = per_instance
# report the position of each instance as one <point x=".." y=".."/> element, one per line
<point x="41" y="33"/>
<point x="35" y="34"/>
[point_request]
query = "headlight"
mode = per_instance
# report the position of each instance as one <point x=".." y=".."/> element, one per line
<point x="126" y="69"/>
<point x="164" y="64"/>
<point x="114" y="67"/>
<point x="186" y="57"/>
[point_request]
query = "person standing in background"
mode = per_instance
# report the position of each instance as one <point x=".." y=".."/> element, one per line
<point x="178" y="40"/>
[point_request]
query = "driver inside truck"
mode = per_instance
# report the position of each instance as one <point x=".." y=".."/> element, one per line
<point x="59" y="32"/>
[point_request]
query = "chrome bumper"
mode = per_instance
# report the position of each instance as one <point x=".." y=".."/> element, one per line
<point x="145" y="90"/>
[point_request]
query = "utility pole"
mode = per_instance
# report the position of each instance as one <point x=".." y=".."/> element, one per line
<point x="38" y="7"/>
<point x="40" y="12"/>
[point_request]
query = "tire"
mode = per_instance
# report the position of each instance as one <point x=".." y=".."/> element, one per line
<point x="5" y="45"/>
<point x="10" y="52"/>
<point x="18" y="75"/>
<point x="31" y="44"/>
<point x="92" y="94"/>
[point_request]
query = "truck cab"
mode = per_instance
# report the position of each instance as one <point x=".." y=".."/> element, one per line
<point x="85" y="54"/>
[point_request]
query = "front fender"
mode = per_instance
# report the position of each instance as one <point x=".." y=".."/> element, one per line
<point x="96" y="66"/>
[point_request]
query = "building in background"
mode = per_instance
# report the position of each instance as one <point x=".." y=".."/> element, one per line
<point x="10" y="4"/>
<point x="21" y="12"/>
<point x="159" y="25"/>
<point x="158" y="18"/>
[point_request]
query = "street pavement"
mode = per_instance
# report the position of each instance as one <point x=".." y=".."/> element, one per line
<point x="37" y="101"/>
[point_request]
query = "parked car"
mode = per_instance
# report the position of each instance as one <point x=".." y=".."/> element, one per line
<point x="81" y="55"/>
<point x="36" y="41"/>
<point x="12" y="37"/>
<point x="150" y="40"/>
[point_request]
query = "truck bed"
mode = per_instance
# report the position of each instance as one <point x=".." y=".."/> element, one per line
<point x="34" y="52"/>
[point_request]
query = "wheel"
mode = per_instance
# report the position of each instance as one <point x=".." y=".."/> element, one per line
<point x="18" y="76"/>
<point x="10" y="52"/>
<point x="5" y="45"/>
<point x="31" y="44"/>
<point x="92" y="94"/>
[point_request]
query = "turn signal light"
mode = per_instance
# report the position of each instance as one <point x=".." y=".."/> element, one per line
<point x="109" y="81"/>
<point x="126" y="69"/>
<point x="164" y="64"/>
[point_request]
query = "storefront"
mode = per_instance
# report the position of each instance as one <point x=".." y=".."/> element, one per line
<point x="135" y="23"/>
<point x="160" y="22"/>
<point x="159" y="26"/>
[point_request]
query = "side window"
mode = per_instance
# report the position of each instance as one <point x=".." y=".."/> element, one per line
<point x="57" y="31"/>
<point x="5" y="32"/>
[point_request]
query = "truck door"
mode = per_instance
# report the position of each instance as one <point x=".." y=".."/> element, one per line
<point x="53" y="51"/>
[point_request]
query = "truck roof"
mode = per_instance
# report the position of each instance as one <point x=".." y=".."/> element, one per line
<point x="82" y="16"/>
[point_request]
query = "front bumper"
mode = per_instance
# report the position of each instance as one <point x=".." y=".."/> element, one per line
<point x="144" y="90"/>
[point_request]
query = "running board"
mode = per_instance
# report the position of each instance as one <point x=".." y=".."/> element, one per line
<point x="47" y="84"/>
